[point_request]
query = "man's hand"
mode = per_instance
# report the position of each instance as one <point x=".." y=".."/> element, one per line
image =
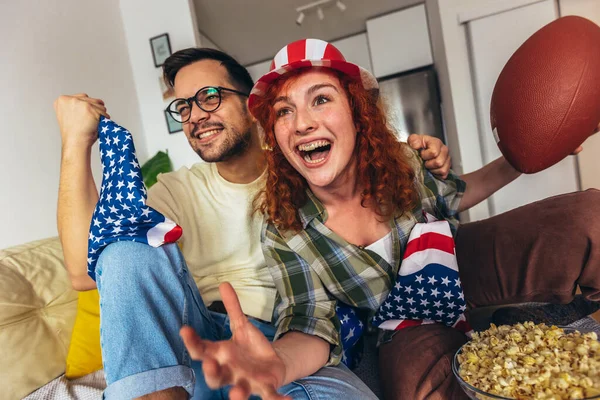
<point x="433" y="152"/>
<point x="247" y="361"/>
<point x="78" y="116"/>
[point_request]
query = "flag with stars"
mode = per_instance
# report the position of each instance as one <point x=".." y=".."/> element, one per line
<point x="428" y="288"/>
<point x="352" y="328"/>
<point x="121" y="212"/>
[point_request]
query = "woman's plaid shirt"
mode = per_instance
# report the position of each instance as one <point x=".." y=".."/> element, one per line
<point x="314" y="268"/>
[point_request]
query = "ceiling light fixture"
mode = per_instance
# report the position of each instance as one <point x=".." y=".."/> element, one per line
<point x="318" y="5"/>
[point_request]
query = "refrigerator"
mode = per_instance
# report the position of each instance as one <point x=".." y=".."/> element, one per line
<point x="412" y="103"/>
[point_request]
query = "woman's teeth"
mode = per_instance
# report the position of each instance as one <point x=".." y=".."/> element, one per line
<point x="315" y="152"/>
<point x="311" y="161"/>
<point x="313" y="145"/>
<point x="208" y="133"/>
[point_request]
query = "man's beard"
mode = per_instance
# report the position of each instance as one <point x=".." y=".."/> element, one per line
<point x="231" y="147"/>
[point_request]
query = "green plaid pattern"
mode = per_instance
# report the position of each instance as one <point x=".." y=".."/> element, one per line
<point x="315" y="268"/>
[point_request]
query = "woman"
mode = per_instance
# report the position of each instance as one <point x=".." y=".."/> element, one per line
<point x="342" y="197"/>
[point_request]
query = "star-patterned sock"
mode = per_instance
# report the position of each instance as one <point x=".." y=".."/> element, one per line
<point x="121" y="213"/>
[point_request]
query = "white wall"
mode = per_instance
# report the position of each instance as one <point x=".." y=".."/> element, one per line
<point x="450" y="56"/>
<point x="259" y="69"/>
<point x="206" y="42"/>
<point x="142" y="20"/>
<point x="49" y="48"/>
<point x="589" y="163"/>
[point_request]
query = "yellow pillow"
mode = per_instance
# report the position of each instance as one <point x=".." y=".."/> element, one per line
<point x="84" y="356"/>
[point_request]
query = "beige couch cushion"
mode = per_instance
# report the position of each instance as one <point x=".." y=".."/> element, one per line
<point x="37" y="311"/>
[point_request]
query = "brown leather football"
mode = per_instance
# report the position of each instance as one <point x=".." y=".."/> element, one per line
<point x="546" y="101"/>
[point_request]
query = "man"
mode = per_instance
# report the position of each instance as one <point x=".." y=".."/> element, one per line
<point x="148" y="293"/>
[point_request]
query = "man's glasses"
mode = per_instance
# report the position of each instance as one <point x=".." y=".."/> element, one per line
<point x="208" y="99"/>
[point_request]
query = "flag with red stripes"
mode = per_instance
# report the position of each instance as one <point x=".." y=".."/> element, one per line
<point x="428" y="288"/>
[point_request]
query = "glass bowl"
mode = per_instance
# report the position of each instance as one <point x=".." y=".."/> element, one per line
<point x="478" y="394"/>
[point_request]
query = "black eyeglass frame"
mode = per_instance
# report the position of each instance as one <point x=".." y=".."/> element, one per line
<point x="188" y="101"/>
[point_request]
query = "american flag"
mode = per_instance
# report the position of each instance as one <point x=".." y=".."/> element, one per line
<point x="352" y="328"/>
<point x="121" y="212"/>
<point x="428" y="288"/>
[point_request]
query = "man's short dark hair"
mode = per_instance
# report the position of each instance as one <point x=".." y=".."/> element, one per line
<point x="238" y="74"/>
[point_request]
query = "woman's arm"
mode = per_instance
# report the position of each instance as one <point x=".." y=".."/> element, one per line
<point x="302" y="354"/>
<point x="304" y="304"/>
<point x="484" y="182"/>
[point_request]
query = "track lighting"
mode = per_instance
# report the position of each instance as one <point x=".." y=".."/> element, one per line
<point x="318" y="5"/>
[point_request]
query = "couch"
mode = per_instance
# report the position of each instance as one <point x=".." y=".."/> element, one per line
<point x="37" y="314"/>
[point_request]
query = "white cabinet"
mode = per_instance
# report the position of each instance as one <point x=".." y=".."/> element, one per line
<point x="399" y="41"/>
<point x="356" y="50"/>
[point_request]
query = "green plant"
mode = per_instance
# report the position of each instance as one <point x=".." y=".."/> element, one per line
<point x="156" y="165"/>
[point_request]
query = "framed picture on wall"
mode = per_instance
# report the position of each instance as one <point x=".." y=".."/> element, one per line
<point x="161" y="48"/>
<point x="172" y="125"/>
<point x="167" y="92"/>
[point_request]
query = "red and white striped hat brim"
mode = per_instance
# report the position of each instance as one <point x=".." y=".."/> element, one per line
<point x="309" y="53"/>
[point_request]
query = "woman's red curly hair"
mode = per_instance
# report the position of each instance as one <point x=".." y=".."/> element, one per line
<point x="383" y="167"/>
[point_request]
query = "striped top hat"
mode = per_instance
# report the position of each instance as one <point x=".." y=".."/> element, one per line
<point x="309" y="53"/>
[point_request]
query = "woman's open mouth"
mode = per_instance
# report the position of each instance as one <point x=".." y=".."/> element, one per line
<point x="314" y="152"/>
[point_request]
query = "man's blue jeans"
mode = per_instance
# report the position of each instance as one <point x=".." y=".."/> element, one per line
<point x="146" y="295"/>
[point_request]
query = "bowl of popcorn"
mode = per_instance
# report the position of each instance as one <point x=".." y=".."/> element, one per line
<point x="529" y="361"/>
